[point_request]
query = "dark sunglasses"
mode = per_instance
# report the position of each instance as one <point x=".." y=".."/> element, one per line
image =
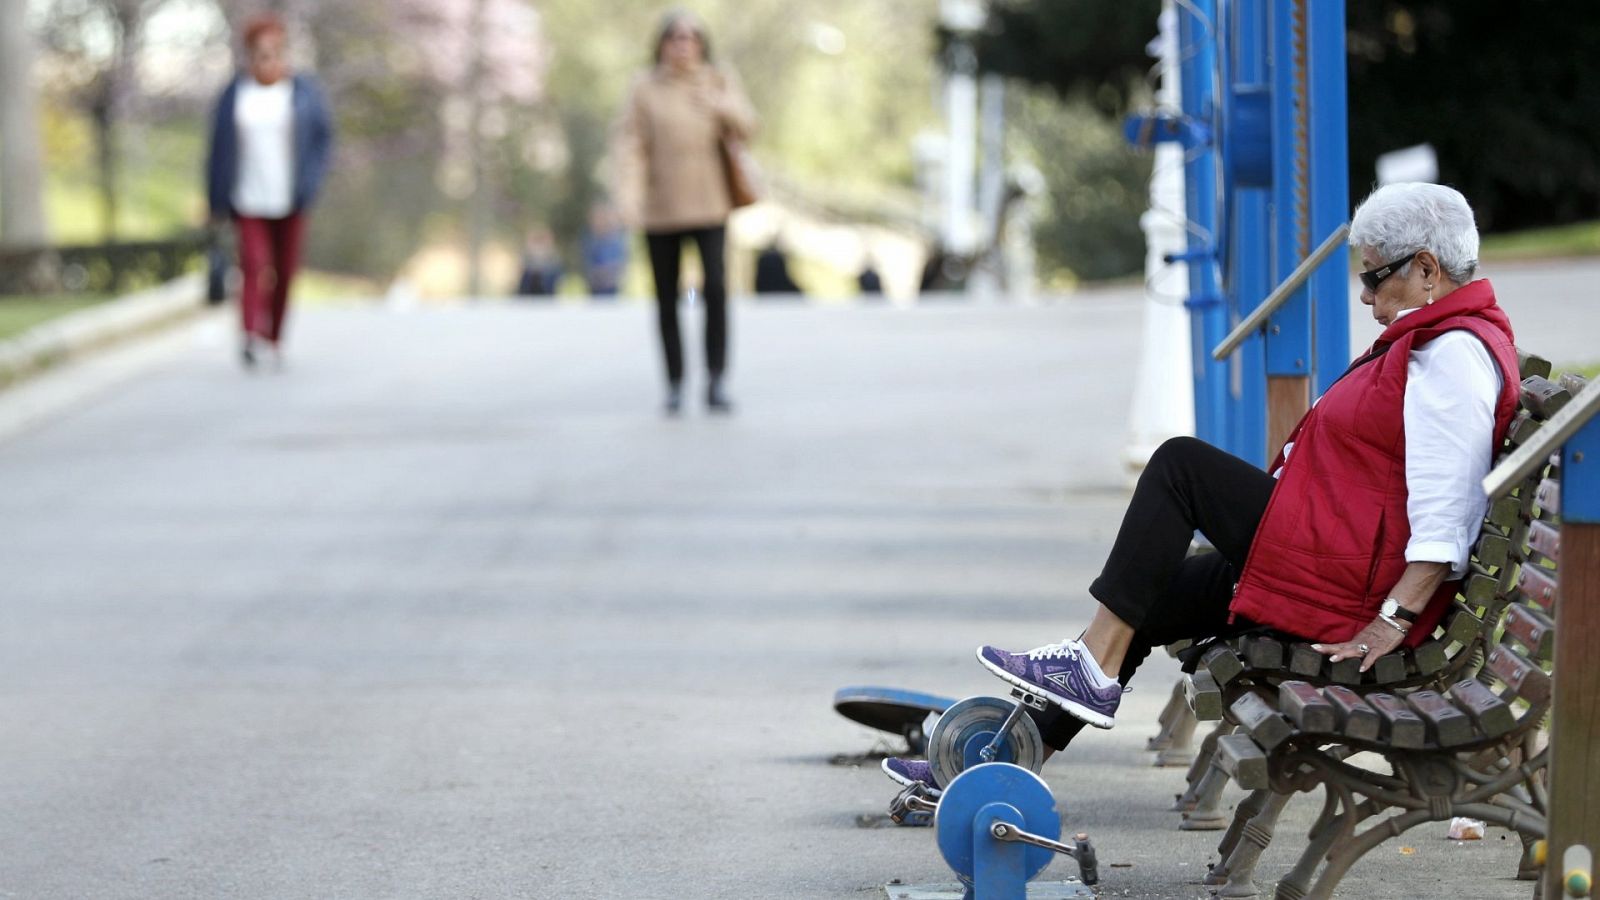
<point x="1374" y="277"/>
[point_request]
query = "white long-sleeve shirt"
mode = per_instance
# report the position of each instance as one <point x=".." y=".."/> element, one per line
<point x="1451" y="387"/>
<point x="264" y="116"/>
<point x="1452" y="384"/>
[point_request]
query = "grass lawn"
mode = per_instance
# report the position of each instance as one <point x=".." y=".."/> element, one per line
<point x="18" y="314"/>
<point x="1581" y="239"/>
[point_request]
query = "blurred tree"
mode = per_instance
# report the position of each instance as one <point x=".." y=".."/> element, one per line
<point x="100" y="41"/>
<point x="21" y="168"/>
<point x="1511" y="101"/>
<point x="1509" y="97"/>
<point x="1087" y="50"/>
<point x="1087" y="63"/>
<point x="1096" y="188"/>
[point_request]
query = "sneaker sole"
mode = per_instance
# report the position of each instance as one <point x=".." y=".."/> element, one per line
<point x="899" y="779"/>
<point x="1071" y="707"/>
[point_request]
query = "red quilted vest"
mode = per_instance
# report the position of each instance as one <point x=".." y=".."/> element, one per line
<point x="1332" y="541"/>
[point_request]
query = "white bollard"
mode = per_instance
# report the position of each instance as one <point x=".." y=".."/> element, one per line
<point x="1163" y="388"/>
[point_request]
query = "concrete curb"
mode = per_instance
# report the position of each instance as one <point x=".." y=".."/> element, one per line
<point x="76" y="334"/>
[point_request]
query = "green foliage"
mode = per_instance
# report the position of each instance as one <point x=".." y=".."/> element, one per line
<point x="18" y="314"/>
<point x="161" y="187"/>
<point x="1096" y="185"/>
<point x="1510" y="102"/>
<point x="1086" y="50"/>
<point x="1580" y="239"/>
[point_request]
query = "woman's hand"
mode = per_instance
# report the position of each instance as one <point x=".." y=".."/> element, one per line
<point x="1378" y="638"/>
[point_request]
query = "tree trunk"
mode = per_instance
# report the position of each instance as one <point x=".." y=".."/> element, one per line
<point x="22" y="219"/>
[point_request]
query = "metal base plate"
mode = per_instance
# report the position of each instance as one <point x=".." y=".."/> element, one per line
<point x="888" y="709"/>
<point x="1039" y="890"/>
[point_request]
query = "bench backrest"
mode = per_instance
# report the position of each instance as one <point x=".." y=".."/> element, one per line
<point x="1519" y="614"/>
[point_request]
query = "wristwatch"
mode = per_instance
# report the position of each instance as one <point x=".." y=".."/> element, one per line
<point x="1391" y="609"/>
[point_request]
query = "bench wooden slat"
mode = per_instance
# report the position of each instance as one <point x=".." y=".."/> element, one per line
<point x="1523" y="428"/>
<point x="1548" y="496"/>
<point x="1446" y="725"/>
<point x="1345" y="671"/>
<point x="1244" y="762"/>
<point x="1429" y="657"/>
<point x="1545" y="538"/>
<point x="1398" y="724"/>
<point x="1305" y="661"/>
<point x="1533" y="628"/>
<point x="1506" y="513"/>
<point x="1223" y="664"/>
<point x="1264" y="724"/>
<point x="1493" y="549"/>
<point x="1306" y="707"/>
<point x="1543" y="396"/>
<point x="1492" y="715"/>
<point x="1204" y="697"/>
<point x="1529" y="365"/>
<point x="1538" y="585"/>
<point x="1262" y="652"/>
<point x="1389" y="668"/>
<point x="1356" y="719"/>
<point x="1462" y="625"/>
<point x="1524" y="678"/>
<point x="1480" y="587"/>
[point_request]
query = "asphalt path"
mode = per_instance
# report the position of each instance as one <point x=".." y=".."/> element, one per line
<point x="449" y="609"/>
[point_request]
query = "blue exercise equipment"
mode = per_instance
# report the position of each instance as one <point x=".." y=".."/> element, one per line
<point x="1266" y="180"/>
<point x="981" y="730"/>
<point x="997" y="828"/>
<point x="892" y="710"/>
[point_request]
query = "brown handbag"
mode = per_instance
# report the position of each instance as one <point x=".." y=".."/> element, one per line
<point x="739" y="170"/>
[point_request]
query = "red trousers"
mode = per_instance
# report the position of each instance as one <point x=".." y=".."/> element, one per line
<point x="269" y="253"/>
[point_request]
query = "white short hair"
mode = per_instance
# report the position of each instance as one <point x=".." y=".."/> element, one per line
<point x="1403" y="218"/>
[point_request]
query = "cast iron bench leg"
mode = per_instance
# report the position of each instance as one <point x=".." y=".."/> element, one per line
<point x="1187" y="800"/>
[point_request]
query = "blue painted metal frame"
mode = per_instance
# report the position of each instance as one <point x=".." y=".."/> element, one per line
<point x="980" y="796"/>
<point x="1198" y="42"/>
<point x="1580" y="474"/>
<point x="1270" y="107"/>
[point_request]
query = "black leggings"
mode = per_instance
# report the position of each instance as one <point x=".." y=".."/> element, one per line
<point x="666" y="251"/>
<point x="1149" y="581"/>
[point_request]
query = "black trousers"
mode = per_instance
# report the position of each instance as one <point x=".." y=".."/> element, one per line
<point x="666" y="254"/>
<point x="1149" y="581"/>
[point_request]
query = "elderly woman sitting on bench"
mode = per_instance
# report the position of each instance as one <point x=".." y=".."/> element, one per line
<point x="1357" y="533"/>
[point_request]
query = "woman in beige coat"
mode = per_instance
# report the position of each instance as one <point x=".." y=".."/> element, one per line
<point x="672" y="182"/>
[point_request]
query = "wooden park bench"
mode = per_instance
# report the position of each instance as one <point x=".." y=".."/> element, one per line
<point x="1459" y="720"/>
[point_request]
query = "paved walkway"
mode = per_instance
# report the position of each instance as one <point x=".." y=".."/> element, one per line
<point x="448" y="610"/>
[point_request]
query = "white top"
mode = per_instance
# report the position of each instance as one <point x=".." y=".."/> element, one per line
<point x="264" y="117"/>
<point x="1452" y="385"/>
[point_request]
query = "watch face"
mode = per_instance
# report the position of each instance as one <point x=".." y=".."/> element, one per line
<point x="1389" y="606"/>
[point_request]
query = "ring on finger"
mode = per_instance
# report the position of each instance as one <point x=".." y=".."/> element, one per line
<point x="1364" y="649"/>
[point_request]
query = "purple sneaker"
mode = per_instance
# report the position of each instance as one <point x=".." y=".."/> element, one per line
<point x="1055" y="672"/>
<point x="910" y="771"/>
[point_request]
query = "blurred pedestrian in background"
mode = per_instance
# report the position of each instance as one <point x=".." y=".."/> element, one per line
<point x="674" y="180"/>
<point x="605" y="251"/>
<point x="270" y="141"/>
<point x="772" y="272"/>
<point x="541" y="264"/>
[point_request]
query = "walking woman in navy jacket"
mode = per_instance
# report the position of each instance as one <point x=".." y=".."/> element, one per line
<point x="270" y="141"/>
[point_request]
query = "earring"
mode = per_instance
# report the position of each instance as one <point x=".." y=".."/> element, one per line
<point x="1430" y="295"/>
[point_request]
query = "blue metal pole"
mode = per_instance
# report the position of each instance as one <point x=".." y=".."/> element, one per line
<point x="1197" y="41"/>
<point x="1248" y="148"/>
<point x="1289" y="329"/>
<point x="1330" y="200"/>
